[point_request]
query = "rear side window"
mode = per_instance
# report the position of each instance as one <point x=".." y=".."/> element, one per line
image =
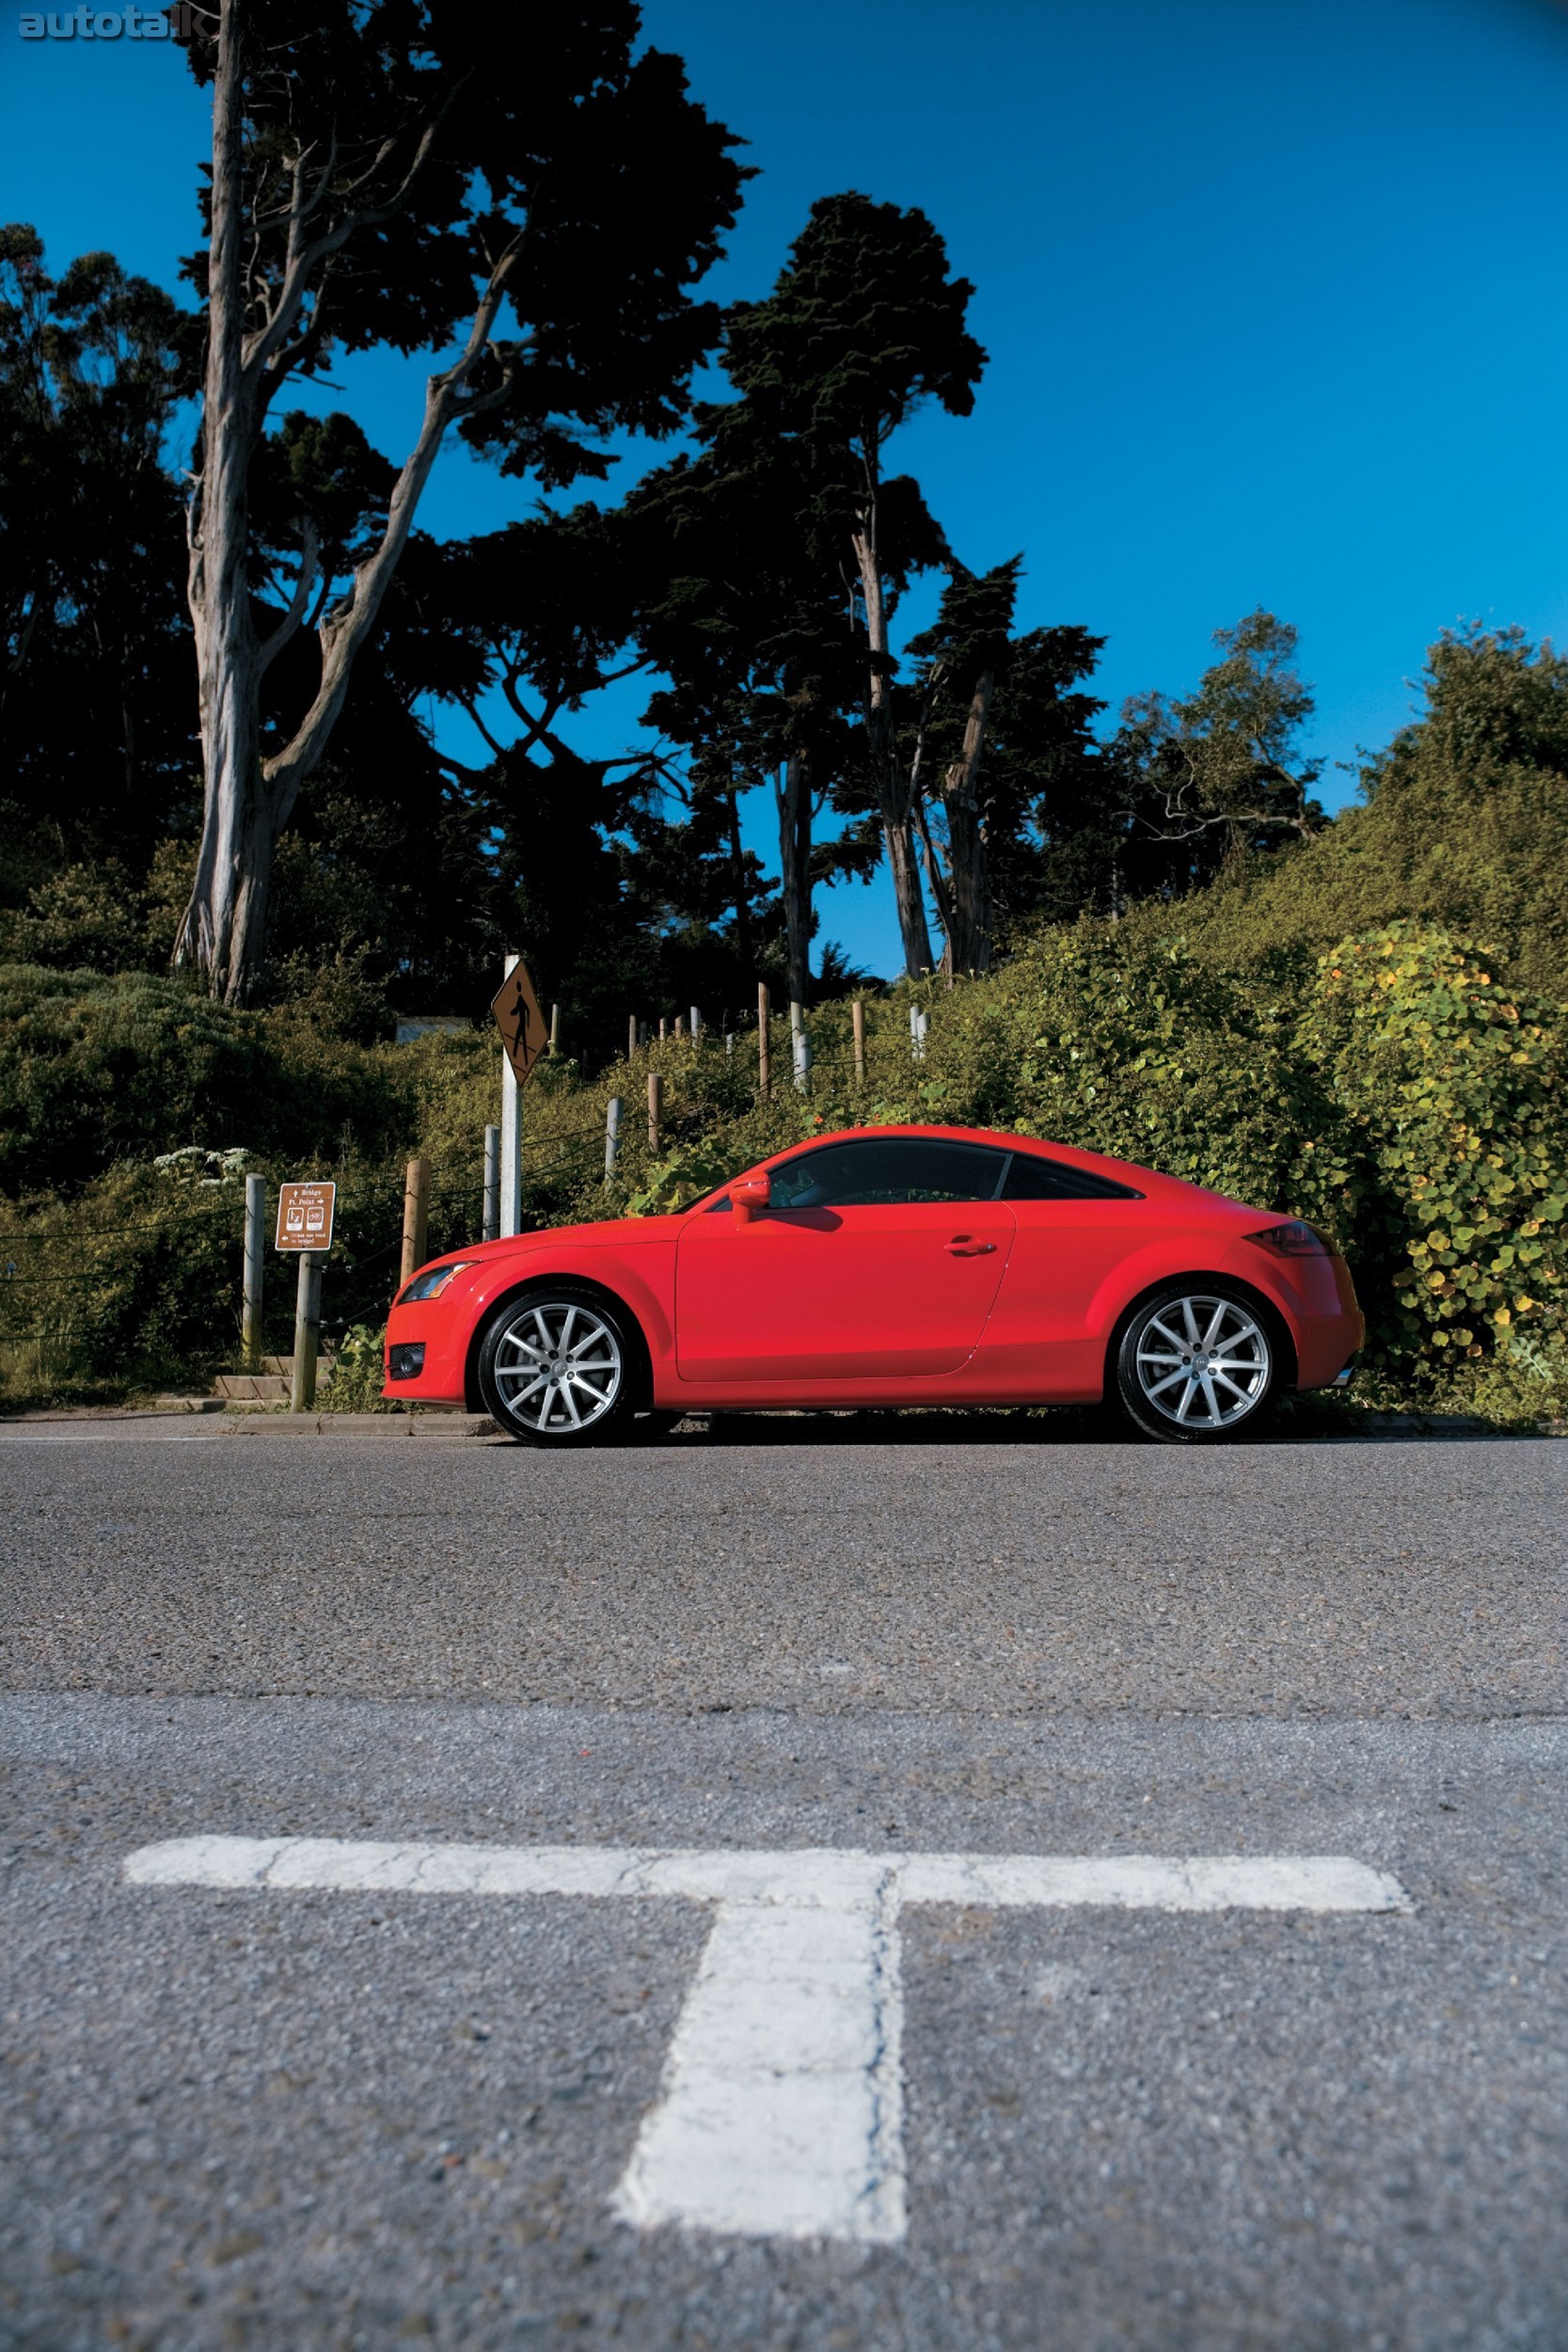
<point x="889" y="1170"/>
<point x="1032" y="1177"/>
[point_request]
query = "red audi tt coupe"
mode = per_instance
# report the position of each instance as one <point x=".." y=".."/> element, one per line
<point x="889" y="1265"/>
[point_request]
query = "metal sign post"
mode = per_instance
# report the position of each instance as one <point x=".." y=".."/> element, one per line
<point x="492" y="1184"/>
<point x="525" y="1036"/>
<point x="304" y="1216"/>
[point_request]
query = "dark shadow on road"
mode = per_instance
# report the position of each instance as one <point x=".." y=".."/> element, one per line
<point x="1046" y="1425"/>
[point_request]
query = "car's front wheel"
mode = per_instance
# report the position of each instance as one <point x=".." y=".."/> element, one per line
<point x="561" y="1366"/>
<point x="1198" y="1364"/>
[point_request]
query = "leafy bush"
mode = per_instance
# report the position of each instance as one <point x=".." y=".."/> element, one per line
<point x="1457" y="1158"/>
<point x="94" y="1071"/>
<point x="121" y="1292"/>
<point x="355" y="1382"/>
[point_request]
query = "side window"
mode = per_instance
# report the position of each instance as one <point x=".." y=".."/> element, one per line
<point x="1032" y="1177"/>
<point x="886" y="1172"/>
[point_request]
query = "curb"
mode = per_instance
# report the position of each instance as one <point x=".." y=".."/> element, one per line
<point x="444" y="1428"/>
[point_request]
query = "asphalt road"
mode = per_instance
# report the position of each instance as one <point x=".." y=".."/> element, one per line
<point x="335" y="2108"/>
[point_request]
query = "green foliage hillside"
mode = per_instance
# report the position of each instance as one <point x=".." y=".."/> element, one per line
<point x="1407" y="1098"/>
<point x="1465" y="825"/>
<point x="95" y="1072"/>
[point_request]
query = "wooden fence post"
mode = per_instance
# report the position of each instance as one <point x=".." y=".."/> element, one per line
<point x="857" y="1021"/>
<point x="307" y="1325"/>
<point x="762" y="1040"/>
<point x="255" y="1260"/>
<point x="611" y="1136"/>
<point x="656" y="1106"/>
<point x="631" y="1035"/>
<point x="555" y="1027"/>
<point x="415" y="1218"/>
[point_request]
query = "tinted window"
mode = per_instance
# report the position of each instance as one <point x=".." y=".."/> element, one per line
<point x="893" y="1168"/>
<point x="1031" y="1177"/>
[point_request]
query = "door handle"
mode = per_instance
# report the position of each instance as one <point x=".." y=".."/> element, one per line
<point x="965" y="1245"/>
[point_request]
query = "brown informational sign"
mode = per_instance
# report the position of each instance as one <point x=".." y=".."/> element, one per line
<point x="523" y="1031"/>
<point x="305" y="1215"/>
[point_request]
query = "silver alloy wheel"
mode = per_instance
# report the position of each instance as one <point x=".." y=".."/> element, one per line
<point x="557" y="1366"/>
<point x="1203" y="1362"/>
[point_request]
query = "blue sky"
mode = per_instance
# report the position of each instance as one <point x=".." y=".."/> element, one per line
<point x="1274" y="298"/>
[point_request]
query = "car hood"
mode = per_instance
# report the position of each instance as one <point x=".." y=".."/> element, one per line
<point x="619" y="1232"/>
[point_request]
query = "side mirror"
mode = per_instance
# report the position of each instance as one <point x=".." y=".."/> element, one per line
<point x="747" y="1195"/>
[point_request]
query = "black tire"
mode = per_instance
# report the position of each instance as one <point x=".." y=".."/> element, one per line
<point x="536" y="1373"/>
<point x="1198" y="1363"/>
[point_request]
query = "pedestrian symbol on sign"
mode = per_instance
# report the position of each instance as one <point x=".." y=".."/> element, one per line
<point x="524" y="1032"/>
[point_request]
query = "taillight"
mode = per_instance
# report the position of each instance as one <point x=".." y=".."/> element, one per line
<point x="1295" y="1238"/>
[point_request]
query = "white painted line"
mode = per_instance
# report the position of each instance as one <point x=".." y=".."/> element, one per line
<point x="781" y="2106"/>
<point x="817" y="1875"/>
<point x="782" y="2112"/>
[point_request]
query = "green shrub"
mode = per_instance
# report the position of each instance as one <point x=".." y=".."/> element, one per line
<point x="1453" y="1089"/>
<point x="355" y="1382"/>
<point x="94" y="1071"/>
<point x="125" y="1289"/>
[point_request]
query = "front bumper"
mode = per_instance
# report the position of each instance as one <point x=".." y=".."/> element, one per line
<point x="426" y="1356"/>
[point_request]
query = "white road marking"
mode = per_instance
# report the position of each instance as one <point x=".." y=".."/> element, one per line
<point x="781" y="2106"/>
<point x="784" y="2094"/>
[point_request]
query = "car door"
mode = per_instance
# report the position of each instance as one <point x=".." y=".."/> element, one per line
<point x="1074" y="1228"/>
<point x="879" y="1258"/>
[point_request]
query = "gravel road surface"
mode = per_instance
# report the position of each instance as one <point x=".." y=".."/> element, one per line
<point x="299" y="2113"/>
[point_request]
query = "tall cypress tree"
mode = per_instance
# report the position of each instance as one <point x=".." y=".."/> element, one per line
<point x="382" y="176"/>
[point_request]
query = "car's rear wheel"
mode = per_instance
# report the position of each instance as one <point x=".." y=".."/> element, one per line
<point x="1198" y="1364"/>
<point x="559" y="1365"/>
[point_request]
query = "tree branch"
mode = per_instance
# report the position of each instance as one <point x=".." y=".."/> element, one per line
<point x="344" y="632"/>
<point x="303" y="259"/>
<point x="310" y="557"/>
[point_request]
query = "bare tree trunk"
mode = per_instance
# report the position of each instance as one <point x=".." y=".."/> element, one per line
<point x="969" y="936"/>
<point x="794" y="799"/>
<point x="738" y="876"/>
<point x="941" y="886"/>
<point x="214" y="934"/>
<point x="904" y="865"/>
<point x="249" y="798"/>
<point x="892" y="785"/>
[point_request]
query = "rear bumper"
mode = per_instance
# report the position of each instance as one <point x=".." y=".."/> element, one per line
<point x="1330" y="1329"/>
<point x="1317" y="1299"/>
<point x="1324" y="1349"/>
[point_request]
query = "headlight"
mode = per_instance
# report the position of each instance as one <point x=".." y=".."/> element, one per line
<point x="431" y="1286"/>
<point x="1294" y="1239"/>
